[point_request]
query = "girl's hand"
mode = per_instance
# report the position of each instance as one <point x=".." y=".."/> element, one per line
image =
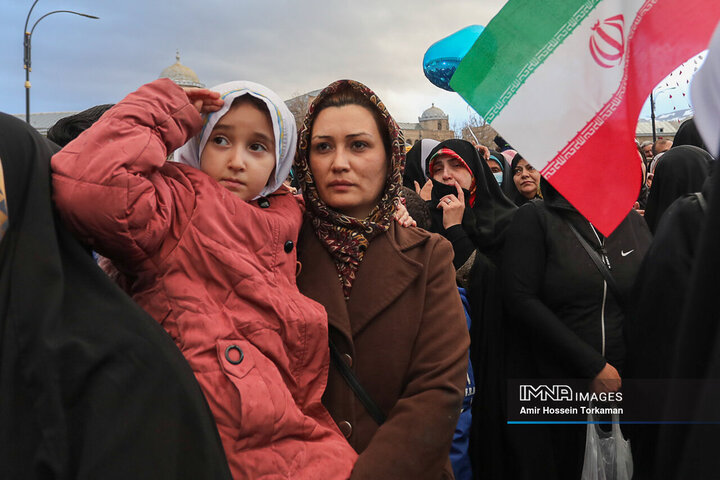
<point x="402" y="216"/>
<point x="204" y="100"/>
<point x="453" y="208"/>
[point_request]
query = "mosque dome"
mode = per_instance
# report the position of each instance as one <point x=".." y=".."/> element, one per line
<point x="182" y="75"/>
<point x="433" y="113"/>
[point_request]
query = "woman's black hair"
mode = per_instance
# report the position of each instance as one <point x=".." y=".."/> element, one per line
<point x="69" y="128"/>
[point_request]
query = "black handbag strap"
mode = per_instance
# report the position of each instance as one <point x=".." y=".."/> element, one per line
<point x="375" y="412"/>
<point x="600" y="264"/>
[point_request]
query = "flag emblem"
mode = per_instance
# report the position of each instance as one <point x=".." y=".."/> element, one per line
<point x="607" y="42"/>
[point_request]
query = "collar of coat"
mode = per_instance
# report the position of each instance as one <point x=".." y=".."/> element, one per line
<point x="385" y="273"/>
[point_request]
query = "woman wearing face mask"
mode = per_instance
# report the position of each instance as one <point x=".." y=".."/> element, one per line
<point x="496" y="162"/>
<point x="396" y="322"/>
<point x="526" y="179"/>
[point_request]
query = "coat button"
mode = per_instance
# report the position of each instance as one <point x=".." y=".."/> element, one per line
<point x="345" y="428"/>
<point x="289" y="246"/>
<point x="234" y="354"/>
<point x="348" y="359"/>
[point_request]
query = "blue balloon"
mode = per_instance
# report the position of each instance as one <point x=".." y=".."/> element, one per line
<point x="443" y="57"/>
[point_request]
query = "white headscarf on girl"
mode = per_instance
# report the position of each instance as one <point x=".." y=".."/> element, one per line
<point x="282" y="120"/>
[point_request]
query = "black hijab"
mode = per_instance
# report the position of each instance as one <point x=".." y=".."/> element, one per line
<point x="687" y="134"/>
<point x="510" y="189"/>
<point x="691" y="451"/>
<point x="488" y="219"/>
<point x="507" y="173"/>
<point x="90" y="385"/>
<point x="680" y="171"/>
<point x="656" y="318"/>
<point x="414" y="163"/>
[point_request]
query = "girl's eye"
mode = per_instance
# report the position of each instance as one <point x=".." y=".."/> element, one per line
<point x="517" y="171"/>
<point x="220" y="140"/>
<point x="530" y="168"/>
<point x="359" y="145"/>
<point x="258" y="147"/>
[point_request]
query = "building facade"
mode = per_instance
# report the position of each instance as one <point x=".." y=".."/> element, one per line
<point x="433" y="124"/>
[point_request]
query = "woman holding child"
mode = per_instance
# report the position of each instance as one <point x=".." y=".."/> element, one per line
<point x="207" y="247"/>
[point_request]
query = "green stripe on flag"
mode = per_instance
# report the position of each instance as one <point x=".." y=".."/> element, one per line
<point x="516" y="41"/>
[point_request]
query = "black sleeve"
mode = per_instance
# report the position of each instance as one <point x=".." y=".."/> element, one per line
<point x="461" y="243"/>
<point x="522" y="278"/>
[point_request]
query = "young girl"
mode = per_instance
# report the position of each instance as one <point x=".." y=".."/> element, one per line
<point x="208" y="249"/>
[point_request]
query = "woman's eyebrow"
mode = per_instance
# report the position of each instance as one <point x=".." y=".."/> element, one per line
<point x="350" y="135"/>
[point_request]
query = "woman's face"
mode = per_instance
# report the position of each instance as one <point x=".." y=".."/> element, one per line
<point x="448" y="170"/>
<point x="526" y="179"/>
<point x="348" y="159"/>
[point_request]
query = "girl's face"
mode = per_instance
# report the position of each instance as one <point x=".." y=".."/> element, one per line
<point x="526" y="179"/>
<point x="446" y="169"/>
<point x="348" y="159"/>
<point x="240" y="152"/>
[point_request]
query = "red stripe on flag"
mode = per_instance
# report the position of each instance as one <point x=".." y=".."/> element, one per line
<point x="602" y="179"/>
<point x="599" y="170"/>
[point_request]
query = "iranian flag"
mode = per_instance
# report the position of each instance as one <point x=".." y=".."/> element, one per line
<point x="564" y="82"/>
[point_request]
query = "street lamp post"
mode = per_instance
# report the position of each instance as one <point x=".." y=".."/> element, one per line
<point x="652" y="116"/>
<point x="27" y="37"/>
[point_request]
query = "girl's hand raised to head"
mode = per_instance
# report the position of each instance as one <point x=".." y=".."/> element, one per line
<point x="204" y="100"/>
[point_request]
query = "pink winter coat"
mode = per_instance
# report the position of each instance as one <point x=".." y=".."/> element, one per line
<point x="218" y="273"/>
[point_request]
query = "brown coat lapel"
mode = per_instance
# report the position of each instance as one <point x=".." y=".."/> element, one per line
<point x="371" y="293"/>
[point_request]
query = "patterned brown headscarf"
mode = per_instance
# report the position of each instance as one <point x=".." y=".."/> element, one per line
<point x="347" y="238"/>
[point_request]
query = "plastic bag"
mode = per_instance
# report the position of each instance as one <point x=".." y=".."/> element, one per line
<point x="607" y="454"/>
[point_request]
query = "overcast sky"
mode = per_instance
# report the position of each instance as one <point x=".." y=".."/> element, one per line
<point x="292" y="46"/>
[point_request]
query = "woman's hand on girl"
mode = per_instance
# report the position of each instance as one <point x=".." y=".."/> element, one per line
<point x="453" y="208"/>
<point x="402" y="216"/>
<point x="204" y="100"/>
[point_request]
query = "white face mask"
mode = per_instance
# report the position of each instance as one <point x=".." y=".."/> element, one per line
<point x="498" y="177"/>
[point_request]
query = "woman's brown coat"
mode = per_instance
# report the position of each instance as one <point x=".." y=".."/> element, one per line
<point x="404" y="334"/>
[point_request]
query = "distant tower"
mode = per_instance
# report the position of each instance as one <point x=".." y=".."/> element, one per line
<point x="182" y="75"/>
<point x="434" y="119"/>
